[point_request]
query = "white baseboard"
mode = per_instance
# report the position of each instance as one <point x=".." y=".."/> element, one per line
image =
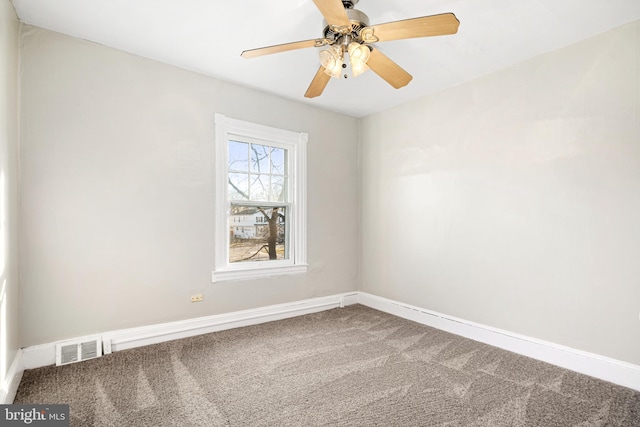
<point x="44" y="354"/>
<point x="9" y="386"/>
<point x="612" y="370"/>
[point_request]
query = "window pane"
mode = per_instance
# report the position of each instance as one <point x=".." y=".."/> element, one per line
<point x="278" y="189"/>
<point x="260" y="187"/>
<point x="257" y="234"/>
<point x="278" y="165"/>
<point x="238" y="156"/>
<point x="238" y="186"/>
<point x="260" y="158"/>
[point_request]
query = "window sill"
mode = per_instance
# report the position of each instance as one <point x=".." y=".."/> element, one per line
<point x="257" y="273"/>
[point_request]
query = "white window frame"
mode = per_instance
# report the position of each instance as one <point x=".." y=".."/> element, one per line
<point x="296" y="144"/>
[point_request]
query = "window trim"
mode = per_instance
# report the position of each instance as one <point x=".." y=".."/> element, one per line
<point x="296" y="143"/>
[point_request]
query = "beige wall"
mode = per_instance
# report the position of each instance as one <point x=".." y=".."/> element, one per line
<point x="117" y="191"/>
<point x="511" y="200"/>
<point x="514" y="200"/>
<point x="9" y="326"/>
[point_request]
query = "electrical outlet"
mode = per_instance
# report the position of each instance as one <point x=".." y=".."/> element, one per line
<point x="197" y="297"/>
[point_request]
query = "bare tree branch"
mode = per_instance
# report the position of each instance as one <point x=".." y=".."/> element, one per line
<point x="263" y="213"/>
<point x="258" y="159"/>
<point x="242" y="193"/>
<point x="256" y="253"/>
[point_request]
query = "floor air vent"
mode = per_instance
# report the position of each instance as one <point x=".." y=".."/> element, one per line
<point x="71" y="352"/>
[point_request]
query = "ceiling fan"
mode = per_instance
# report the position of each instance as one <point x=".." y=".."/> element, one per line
<point x="347" y="33"/>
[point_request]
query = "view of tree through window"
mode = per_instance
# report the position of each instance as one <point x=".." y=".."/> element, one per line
<point x="258" y="184"/>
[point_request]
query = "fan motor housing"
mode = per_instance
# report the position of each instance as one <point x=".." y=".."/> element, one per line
<point x="359" y="20"/>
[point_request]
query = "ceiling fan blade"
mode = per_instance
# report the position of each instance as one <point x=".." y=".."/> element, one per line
<point x="334" y="12"/>
<point x="252" y="53"/>
<point x="391" y="72"/>
<point x="434" y="25"/>
<point x="318" y="84"/>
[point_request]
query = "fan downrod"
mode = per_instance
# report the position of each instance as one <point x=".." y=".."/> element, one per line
<point x="349" y="4"/>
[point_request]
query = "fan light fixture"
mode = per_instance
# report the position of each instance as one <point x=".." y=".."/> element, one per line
<point x="347" y="31"/>
<point x="333" y="58"/>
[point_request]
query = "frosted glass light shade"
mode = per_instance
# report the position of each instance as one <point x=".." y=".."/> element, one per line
<point x="331" y="59"/>
<point x="358" y="56"/>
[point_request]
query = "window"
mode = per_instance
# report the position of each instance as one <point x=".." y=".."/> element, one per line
<point x="260" y="200"/>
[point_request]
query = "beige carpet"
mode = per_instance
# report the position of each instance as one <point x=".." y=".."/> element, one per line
<point x="353" y="367"/>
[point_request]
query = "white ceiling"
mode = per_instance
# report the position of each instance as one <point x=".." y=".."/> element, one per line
<point x="208" y="36"/>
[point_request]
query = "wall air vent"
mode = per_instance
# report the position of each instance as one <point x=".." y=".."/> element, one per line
<point x="77" y="351"/>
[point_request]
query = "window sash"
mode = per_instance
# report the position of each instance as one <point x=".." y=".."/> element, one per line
<point x="251" y="175"/>
<point x="287" y="233"/>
